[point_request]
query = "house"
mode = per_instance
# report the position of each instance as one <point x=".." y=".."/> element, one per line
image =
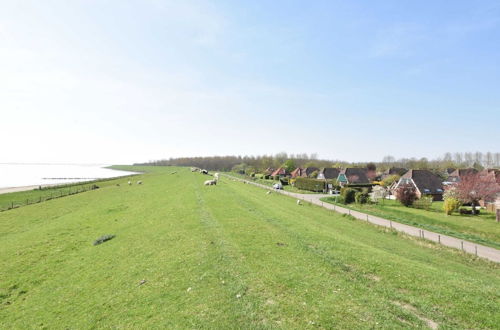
<point x="328" y="173"/>
<point x="491" y="176"/>
<point x="269" y="171"/>
<point x="304" y="172"/>
<point x="296" y="173"/>
<point x="279" y="172"/>
<point x="425" y="183"/>
<point x="457" y="175"/>
<point x="353" y="175"/>
<point x="393" y="171"/>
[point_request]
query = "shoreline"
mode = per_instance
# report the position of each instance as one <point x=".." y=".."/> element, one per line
<point x="25" y="188"/>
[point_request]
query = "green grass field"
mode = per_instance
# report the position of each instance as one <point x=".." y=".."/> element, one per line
<point x="482" y="229"/>
<point x="227" y="256"/>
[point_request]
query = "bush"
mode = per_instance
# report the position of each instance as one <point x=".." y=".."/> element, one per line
<point x="284" y="181"/>
<point x="406" y="194"/>
<point x="361" y="197"/>
<point x="451" y="205"/>
<point x="348" y="195"/>
<point x="467" y="211"/>
<point x="310" y="184"/>
<point x="423" y="203"/>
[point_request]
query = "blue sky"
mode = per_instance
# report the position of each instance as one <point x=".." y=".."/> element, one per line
<point x="126" y="81"/>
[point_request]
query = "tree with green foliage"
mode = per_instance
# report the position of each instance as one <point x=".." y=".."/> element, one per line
<point x="289" y="165"/>
<point x="390" y="180"/>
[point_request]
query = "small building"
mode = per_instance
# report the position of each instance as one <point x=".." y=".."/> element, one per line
<point x="425" y="183"/>
<point x="353" y="175"/>
<point x="457" y="175"/>
<point x="281" y="172"/>
<point x="269" y="171"/>
<point x="303" y="172"/>
<point x="328" y="173"/>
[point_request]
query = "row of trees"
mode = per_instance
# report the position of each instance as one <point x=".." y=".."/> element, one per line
<point x="258" y="164"/>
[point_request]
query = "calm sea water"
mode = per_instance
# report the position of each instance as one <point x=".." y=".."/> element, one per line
<point x="18" y="175"/>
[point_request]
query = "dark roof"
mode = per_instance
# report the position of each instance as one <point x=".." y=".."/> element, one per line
<point x="458" y="174"/>
<point x="356" y="175"/>
<point x="330" y="172"/>
<point x="309" y="170"/>
<point x="426" y="181"/>
<point x="396" y="171"/>
<point x="450" y="170"/>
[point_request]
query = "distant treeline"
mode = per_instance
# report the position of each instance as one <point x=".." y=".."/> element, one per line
<point x="260" y="163"/>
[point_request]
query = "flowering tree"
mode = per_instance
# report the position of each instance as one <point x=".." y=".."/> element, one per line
<point x="475" y="187"/>
<point x="406" y="194"/>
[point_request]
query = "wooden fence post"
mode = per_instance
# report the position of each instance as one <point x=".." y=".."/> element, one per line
<point x="439" y="239"/>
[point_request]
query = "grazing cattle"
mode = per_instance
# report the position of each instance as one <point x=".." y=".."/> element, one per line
<point x="210" y="183"/>
<point x="139" y="182"/>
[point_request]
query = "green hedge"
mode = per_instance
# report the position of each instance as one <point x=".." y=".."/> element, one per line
<point x="310" y="184"/>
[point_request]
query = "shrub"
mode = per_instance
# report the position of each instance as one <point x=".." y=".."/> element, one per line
<point x="284" y="181"/>
<point x="349" y="195"/>
<point x="451" y="205"/>
<point x="361" y="197"/>
<point x="463" y="210"/>
<point x="310" y="184"/>
<point x="406" y="194"/>
<point x="424" y="203"/>
<point x="314" y="174"/>
<point x="103" y="239"/>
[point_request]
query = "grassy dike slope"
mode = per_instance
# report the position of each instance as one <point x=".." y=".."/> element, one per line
<point x="226" y="256"/>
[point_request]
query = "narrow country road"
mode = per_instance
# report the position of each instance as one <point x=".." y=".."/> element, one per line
<point x="466" y="246"/>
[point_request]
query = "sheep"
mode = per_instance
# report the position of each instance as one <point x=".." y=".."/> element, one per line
<point x="129" y="182"/>
<point x="204" y="172"/>
<point x="139" y="182"/>
<point x="268" y="193"/>
<point x="299" y="202"/>
<point x="210" y="183"/>
<point x="216" y="176"/>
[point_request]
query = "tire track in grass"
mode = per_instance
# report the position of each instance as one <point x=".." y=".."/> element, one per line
<point x="228" y="269"/>
<point x="346" y="275"/>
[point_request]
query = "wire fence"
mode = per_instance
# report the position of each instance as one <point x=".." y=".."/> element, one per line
<point x="53" y="192"/>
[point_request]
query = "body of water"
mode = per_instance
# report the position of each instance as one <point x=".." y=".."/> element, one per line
<point x="20" y="175"/>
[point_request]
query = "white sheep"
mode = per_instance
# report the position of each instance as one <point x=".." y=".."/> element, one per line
<point x="210" y="183"/>
<point x="129" y="183"/>
<point x="216" y="176"/>
<point x="139" y="182"/>
<point x="299" y="202"/>
<point x="268" y="193"/>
